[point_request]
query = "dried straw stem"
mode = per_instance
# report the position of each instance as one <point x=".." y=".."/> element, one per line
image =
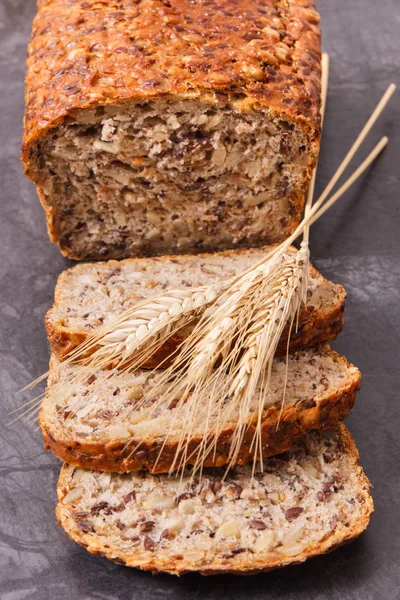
<point x="276" y="303"/>
<point x="324" y="94"/>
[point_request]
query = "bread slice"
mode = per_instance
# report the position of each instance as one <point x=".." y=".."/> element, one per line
<point x="307" y="502"/>
<point x="185" y="127"/>
<point x="89" y="295"/>
<point x="96" y="425"/>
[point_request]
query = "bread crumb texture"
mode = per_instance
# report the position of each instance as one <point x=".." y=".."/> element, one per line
<point x="305" y="502"/>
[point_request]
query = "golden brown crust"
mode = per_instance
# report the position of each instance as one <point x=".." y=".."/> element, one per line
<point x="241" y="563"/>
<point x="265" y="51"/>
<point x="324" y="412"/>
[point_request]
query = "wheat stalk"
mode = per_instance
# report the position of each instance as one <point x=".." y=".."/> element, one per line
<point x="231" y="335"/>
<point x="324" y="94"/>
<point x="145" y="327"/>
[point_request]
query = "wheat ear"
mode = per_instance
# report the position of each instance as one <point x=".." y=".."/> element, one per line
<point x="147" y="326"/>
<point x="282" y="304"/>
<point x="135" y="335"/>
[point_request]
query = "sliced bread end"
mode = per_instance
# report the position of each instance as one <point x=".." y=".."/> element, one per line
<point x="307" y="502"/>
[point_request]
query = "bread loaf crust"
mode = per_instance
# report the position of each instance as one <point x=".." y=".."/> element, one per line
<point x="324" y="412"/>
<point x="71" y="66"/>
<point x="253" y="56"/>
<point x="240" y="564"/>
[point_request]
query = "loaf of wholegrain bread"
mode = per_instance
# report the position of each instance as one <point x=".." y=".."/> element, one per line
<point x="154" y="126"/>
<point x="306" y="502"/>
<point x="90" y="295"/>
<point x="104" y="423"/>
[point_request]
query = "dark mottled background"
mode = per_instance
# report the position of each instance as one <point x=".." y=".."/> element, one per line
<point x="357" y="244"/>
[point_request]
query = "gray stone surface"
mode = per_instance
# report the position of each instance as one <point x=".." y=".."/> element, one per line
<point x="356" y="244"/>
